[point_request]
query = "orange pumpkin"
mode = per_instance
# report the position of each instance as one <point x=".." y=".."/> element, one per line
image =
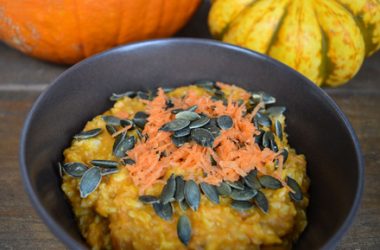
<point x="67" y="31"/>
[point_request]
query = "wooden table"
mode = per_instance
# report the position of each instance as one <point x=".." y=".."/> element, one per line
<point x="22" y="79"/>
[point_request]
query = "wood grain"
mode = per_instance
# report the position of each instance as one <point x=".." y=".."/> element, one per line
<point x="22" y="79"/>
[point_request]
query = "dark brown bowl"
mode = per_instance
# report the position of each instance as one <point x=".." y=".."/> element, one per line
<point x="317" y="127"/>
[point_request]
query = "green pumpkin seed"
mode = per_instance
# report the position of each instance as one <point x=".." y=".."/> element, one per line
<point x="273" y="145"/>
<point x="285" y="154"/>
<point x="105" y="163"/>
<point x="118" y="140"/>
<point x="214" y="130"/>
<point x="176" y="111"/>
<point x="224" y="189"/>
<point x="181" y="133"/>
<point x="225" y="122"/>
<point x="60" y="169"/>
<point x="276" y="111"/>
<point x="210" y="192"/>
<point x="203" y="137"/>
<point x="124" y="145"/>
<point x="192" y="194"/>
<point x="108" y="171"/>
<point x="297" y="195"/>
<point x="74" y="169"/>
<point x="88" y="134"/>
<point x="270" y="182"/>
<point x="128" y="161"/>
<point x="125" y="122"/>
<point x="239" y="185"/>
<point x="262" y="119"/>
<point x="187" y="115"/>
<point x="243" y="195"/>
<point x="169" y="104"/>
<point x="267" y="139"/>
<point x="180" y="188"/>
<point x="183" y="205"/>
<point x="278" y="129"/>
<point x="206" y="84"/>
<point x="199" y="122"/>
<point x="261" y="96"/>
<point x="165" y="211"/>
<point x="259" y="138"/>
<point x="251" y="180"/>
<point x="192" y="108"/>
<point x="89" y="181"/>
<point x="168" y="191"/>
<point x="184" y="229"/>
<point x="143" y="95"/>
<point x="180" y="141"/>
<point x="140" y="119"/>
<point x="241" y="205"/>
<point x="111" y="129"/>
<point x="148" y="199"/>
<point x="175" y="125"/>
<point x="262" y="201"/>
<point x="111" y="120"/>
<point x="115" y="97"/>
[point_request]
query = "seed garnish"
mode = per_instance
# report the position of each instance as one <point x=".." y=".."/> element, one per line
<point x="88" y="134"/>
<point x="184" y="229"/>
<point x="89" y="181"/>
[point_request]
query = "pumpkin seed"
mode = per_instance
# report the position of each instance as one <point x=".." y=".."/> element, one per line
<point x="128" y="161"/>
<point x="203" y="137"/>
<point x="251" y="180"/>
<point x="262" y="201"/>
<point x="148" y="199"/>
<point x="273" y="145"/>
<point x="270" y="182"/>
<point x="179" y="189"/>
<point x="297" y="195"/>
<point x="168" y="191"/>
<point x="285" y="154"/>
<point x="111" y="120"/>
<point x="192" y="194"/>
<point x="259" y="138"/>
<point x="184" y="229"/>
<point x="125" y="122"/>
<point x="175" y="125"/>
<point x="180" y="141"/>
<point x="115" y="97"/>
<point x="210" y="192"/>
<point x="88" y="134"/>
<point x="262" y="119"/>
<point x="276" y="111"/>
<point x="239" y="185"/>
<point x="74" y="169"/>
<point x="183" y="205"/>
<point x="105" y="163"/>
<point x="140" y="119"/>
<point x="225" y="122"/>
<point x="124" y="145"/>
<point x="118" y="141"/>
<point x="182" y="132"/>
<point x="261" y="96"/>
<point x="267" y="138"/>
<point x="89" y="181"/>
<point x="206" y="84"/>
<point x="111" y="129"/>
<point x="199" y="122"/>
<point x="187" y="115"/>
<point x="165" y="211"/>
<point x="243" y="195"/>
<point x="241" y="205"/>
<point x="278" y="129"/>
<point x="192" y="108"/>
<point x="60" y="169"/>
<point x="176" y="111"/>
<point x="108" y="171"/>
<point x="214" y="130"/>
<point x="169" y="104"/>
<point x="224" y="189"/>
<point x="143" y="95"/>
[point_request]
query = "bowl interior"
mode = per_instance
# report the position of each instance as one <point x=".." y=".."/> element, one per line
<point x="316" y="127"/>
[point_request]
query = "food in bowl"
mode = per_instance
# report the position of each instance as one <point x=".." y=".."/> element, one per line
<point x="204" y="166"/>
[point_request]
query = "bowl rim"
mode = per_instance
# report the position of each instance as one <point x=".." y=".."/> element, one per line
<point x="72" y="243"/>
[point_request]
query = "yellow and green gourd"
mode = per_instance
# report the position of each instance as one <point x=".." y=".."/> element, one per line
<point x="325" y="40"/>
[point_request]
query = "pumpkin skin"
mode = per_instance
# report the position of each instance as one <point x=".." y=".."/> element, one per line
<point x="66" y="31"/>
<point x="325" y="40"/>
